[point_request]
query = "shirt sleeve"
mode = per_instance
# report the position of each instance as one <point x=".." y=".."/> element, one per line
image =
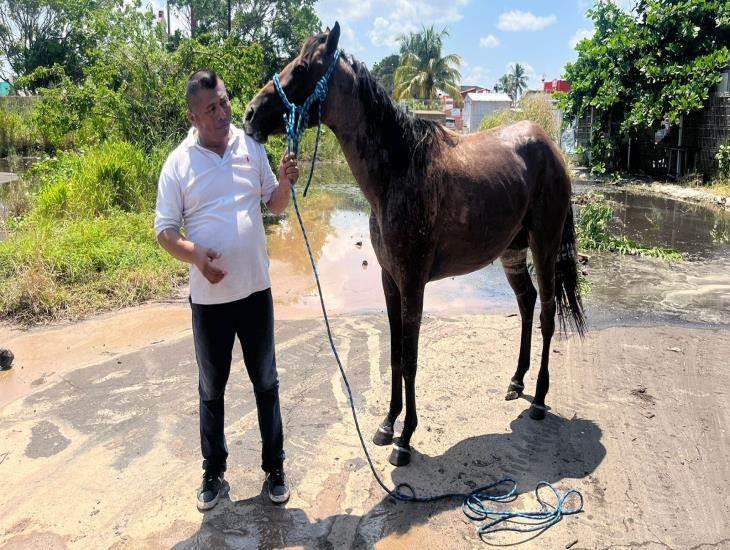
<point x="169" y="208"/>
<point x="269" y="182"/>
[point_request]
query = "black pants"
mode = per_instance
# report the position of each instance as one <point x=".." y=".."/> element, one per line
<point x="214" y="330"/>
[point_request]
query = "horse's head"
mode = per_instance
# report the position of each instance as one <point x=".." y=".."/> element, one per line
<point x="264" y="115"/>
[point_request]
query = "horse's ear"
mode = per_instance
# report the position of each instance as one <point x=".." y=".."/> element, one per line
<point x="333" y="38"/>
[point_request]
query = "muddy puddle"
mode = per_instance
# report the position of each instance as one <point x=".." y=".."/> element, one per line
<point x="625" y="289"/>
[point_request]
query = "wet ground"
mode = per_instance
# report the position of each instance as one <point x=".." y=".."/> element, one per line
<point x="105" y="454"/>
<point x="98" y="420"/>
<point x="625" y="289"/>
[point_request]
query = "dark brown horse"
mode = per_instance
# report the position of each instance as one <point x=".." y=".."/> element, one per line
<point x="443" y="204"/>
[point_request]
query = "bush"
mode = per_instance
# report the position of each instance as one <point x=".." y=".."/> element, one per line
<point x="64" y="269"/>
<point x="134" y="88"/>
<point x="18" y="132"/>
<point x="535" y="107"/>
<point x="593" y="233"/>
<point x="723" y="161"/>
<point x="109" y="177"/>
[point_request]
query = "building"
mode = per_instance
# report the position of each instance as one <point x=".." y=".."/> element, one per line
<point x="5" y="88"/>
<point x="472" y="90"/>
<point x="556" y="86"/>
<point x="478" y="106"/>
<point x="452" y="113"/>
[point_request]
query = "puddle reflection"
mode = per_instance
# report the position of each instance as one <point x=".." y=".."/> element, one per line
<point x="624" y="289"/>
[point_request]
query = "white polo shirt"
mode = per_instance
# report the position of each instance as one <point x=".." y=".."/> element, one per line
<point x="218" y="201"/>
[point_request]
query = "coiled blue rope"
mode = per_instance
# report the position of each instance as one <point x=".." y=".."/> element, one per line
<point x="473" y="503"/>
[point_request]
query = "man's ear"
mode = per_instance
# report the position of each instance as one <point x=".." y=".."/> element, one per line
<point x="333" y="39"/>
<point x="191" y="118"/>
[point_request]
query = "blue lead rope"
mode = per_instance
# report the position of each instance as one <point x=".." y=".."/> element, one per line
<point x="295" y="122"/>
<point x="473" y="504"/>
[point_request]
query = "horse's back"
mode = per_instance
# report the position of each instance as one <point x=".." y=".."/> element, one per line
<point x="490" y="183"/>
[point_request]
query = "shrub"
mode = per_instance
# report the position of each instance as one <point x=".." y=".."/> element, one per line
<point x="535" y="107"/>
<point x="18" y="132"/>
<point x="723" y="161"/>
<point x="63" y="269"/>
<point x="593" y="233"/>
<point x="109" y="177"/>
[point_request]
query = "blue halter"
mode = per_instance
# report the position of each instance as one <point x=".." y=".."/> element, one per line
<point x="295" y="121"/>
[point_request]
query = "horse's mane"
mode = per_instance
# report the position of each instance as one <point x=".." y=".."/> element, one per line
<point x="409" y="140"/>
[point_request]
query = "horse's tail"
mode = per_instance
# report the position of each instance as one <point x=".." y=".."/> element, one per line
<point x="567" y="288"/>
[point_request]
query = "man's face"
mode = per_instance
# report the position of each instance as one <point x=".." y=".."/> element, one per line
<point x="210" y="113"/>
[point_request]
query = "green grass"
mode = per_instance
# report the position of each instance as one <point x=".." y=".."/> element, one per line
<point x="19" y="132"/>
<point x="719" y="186"/>
<point x="67" y="269"/>
<point x="109" y="177"/>
<point x="594" y="234"/>
<point x="86" y="243"/>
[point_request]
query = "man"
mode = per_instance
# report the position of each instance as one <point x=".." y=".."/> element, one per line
<point x="213" y="183"/>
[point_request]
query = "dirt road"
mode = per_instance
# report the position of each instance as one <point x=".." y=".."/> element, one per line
<point x="99" y="444"/>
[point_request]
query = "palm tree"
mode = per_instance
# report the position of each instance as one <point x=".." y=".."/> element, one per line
<point x="504" y="84"/>
<point x="513" y="82"/>
<point x="423" y="70"/>
<point x="518" y="78"/>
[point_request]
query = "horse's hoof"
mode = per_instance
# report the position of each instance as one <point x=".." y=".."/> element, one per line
<point x="538" y="412"/>
<point x="384" y="436"/>
<point x="514" y="391"/>
<point x="399" y="456"/>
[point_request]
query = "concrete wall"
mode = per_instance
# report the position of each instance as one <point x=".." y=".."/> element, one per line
<point x="476" y="111"/>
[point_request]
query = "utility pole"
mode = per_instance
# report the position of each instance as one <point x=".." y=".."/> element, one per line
<point x="168" y="17"/>
<point x="229" y="17"/>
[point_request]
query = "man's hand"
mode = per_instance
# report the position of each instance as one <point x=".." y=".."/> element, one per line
<point x="204" y="262"/>
<point x="288" y="169"/>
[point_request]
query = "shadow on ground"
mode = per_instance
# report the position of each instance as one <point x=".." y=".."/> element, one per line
<point x="554" y="450"/>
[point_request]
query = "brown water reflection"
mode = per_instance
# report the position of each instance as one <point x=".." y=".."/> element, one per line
<point x="337" y="226"/>
<point x="624" y="289"/>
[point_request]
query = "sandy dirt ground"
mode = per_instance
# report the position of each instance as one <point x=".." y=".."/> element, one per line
<point x="99" y="437"/>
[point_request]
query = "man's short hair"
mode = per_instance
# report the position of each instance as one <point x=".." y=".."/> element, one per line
<point x="201" y="80"/>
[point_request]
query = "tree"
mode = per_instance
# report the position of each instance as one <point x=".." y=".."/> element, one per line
<point x="518" y="80"/>
<point x="40" y="33"/>
<point x="504" y="84"/>
<point x="384" y="72"/>
<point x="203" y="16"/>
<point x="423" y="70"/>
<point x="640" y="69"/>
<point x="512" y="83"/>
<point x="134" y="88"/>
<point x="279" y="26"/>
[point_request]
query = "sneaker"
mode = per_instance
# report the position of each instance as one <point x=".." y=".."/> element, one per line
<point x="212" y="488"/>
<point x="277" y="486"/>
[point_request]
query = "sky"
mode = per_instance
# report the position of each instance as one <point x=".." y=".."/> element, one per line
<point x="489" y="35"/>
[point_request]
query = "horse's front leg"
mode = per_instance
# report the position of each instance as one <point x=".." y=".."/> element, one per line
<point x="384" y="434"/>
<point x="411" y="310"/>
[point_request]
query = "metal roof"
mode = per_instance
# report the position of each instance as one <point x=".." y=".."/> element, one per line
<point x="489" y="97"/>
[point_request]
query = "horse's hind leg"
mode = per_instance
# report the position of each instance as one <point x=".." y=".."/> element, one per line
<point x="544" y="256"/>
<point x="514" y="263"/>
<point x="384" y="434"/>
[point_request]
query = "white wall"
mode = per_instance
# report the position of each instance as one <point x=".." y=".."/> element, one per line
<point x="476" y="111"/>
